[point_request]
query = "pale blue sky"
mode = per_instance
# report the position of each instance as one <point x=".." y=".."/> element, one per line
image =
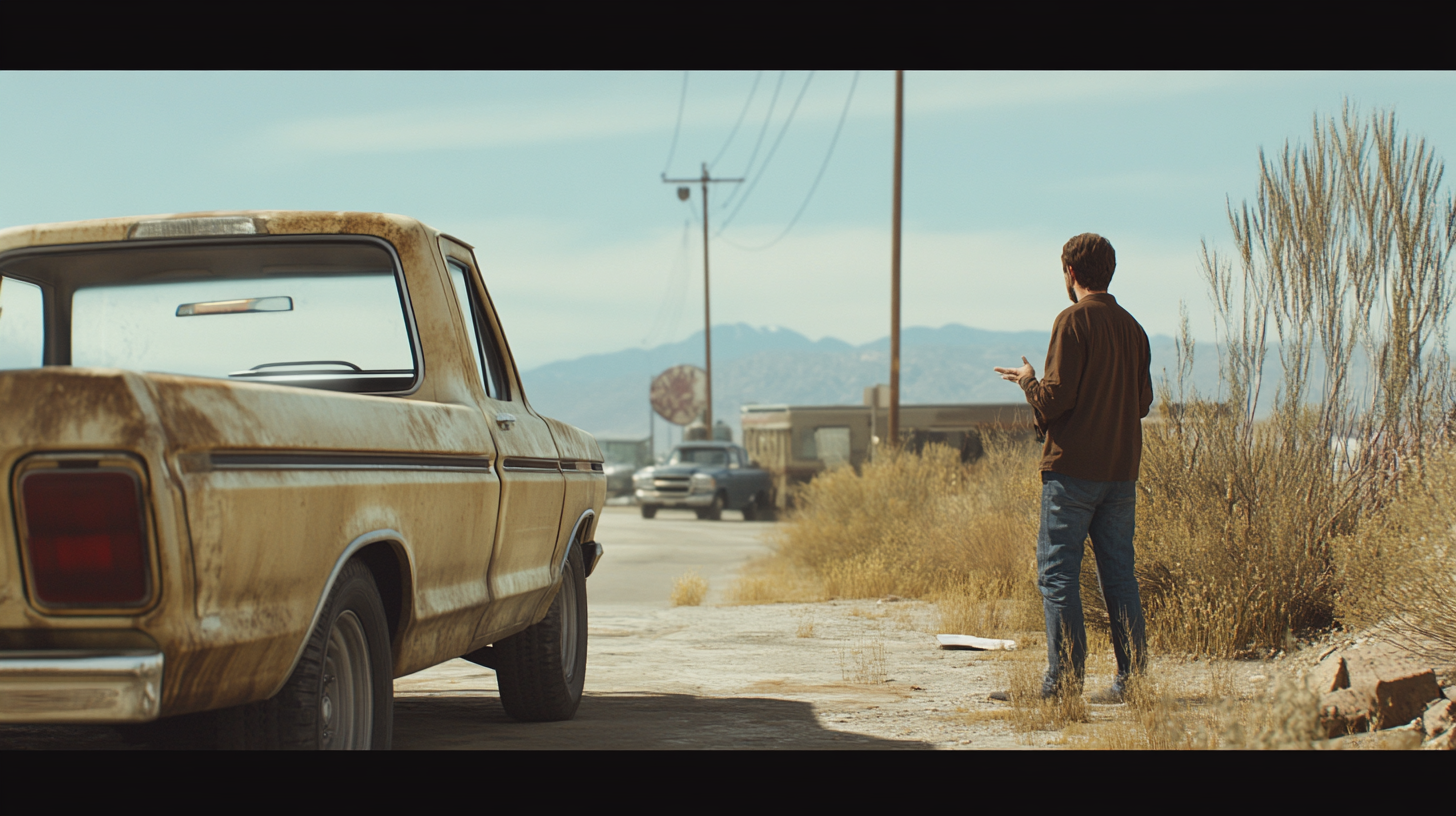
<point x="555" y="179"/>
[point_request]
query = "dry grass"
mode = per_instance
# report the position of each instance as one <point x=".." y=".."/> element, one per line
<point x="913" y="526"/>
<point x="1179" y="708"/>
<point x="805" y="629"/>
<point x="689" y="589"/>
<point x="1400" y="570"/>
<point x="971" y="607"/>
<point x="776" y="580"/>
<point x="1235" y="535"/>
<point x="864" y="662"/>
<point x="1215" y="580"/>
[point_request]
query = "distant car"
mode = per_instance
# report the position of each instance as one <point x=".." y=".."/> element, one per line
<point x="624" y="457"/>
<point x="706" y="477"/>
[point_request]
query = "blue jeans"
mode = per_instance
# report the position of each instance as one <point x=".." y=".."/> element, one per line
<point x="1071" y="510"/>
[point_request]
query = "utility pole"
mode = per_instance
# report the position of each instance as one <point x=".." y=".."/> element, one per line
<point x="682" y="194"/>
<point x="893" y="432"/>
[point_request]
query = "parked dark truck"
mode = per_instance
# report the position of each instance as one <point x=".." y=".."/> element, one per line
<point x="707" y="477"/>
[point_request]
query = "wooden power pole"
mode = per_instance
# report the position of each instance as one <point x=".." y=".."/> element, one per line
<point x="893" y="432"/>
<point x="705" y="179"/>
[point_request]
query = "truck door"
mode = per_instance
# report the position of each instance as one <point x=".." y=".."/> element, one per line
<point x="532" y="485"/>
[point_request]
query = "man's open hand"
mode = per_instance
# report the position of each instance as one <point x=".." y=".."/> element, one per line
<point x="1016" y="374"/>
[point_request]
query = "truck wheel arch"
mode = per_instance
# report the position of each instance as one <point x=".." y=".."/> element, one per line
<point x="580" y="533"/>
<point x="390" y="564"/>
<point x="385" y="549"/>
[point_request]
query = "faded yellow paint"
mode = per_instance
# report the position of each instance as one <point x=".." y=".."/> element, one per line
<point x="243" y="556"/>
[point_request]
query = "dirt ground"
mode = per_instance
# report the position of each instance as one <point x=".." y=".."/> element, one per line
<point x="867" y="676"/>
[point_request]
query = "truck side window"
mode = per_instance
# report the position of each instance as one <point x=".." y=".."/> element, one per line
<point x="482" y="339"/>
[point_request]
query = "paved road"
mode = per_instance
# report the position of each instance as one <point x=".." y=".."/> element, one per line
<point x="644" y="557"/>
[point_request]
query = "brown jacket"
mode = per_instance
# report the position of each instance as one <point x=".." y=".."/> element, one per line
<point x="1095" y="390"/>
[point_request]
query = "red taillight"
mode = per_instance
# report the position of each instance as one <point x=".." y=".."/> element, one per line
<point x="85" y="538"/>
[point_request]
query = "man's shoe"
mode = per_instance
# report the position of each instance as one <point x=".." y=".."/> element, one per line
<point x="1112" y="695"/>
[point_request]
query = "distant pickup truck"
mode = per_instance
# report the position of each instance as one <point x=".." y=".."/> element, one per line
<point x="260" y="464"/>
<point x="707" y="477"/>
<point x="624" y="457"/>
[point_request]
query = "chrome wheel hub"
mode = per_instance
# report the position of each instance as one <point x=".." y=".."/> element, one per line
<point x="569" y="627"/>
<point x="346" y="704"/>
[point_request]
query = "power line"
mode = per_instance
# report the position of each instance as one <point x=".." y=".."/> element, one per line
<point x="734" y="132"/>
<point x="763" y="131"/>
<point x="825" y="166"/>
<point x="766" y="159"/>
<point x="669" y="312"/>
<point x="681" y="103"/>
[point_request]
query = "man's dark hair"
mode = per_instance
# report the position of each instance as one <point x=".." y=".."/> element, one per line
<point x="1092" y="260"/>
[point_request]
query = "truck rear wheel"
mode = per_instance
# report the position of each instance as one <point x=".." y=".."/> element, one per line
<point x="341" y="694"/>
<point x="541" y="671"/>
<point x="649" y="510"/>
<point x="339" y="697"/>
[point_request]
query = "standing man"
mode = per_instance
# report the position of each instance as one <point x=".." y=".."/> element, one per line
<point x="1088" y="406"/>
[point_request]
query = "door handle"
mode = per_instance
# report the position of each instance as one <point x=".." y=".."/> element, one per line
<point x="505" y="421"/>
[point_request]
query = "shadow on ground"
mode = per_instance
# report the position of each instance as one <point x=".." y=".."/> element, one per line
<point x="604" y="722"/>
<point x="61" y="738"/>
<point x="625" y="722"/>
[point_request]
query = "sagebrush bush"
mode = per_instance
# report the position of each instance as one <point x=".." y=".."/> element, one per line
<point x="1234" y="535"/>
<point x="910" y="525"/>
<point x="1400" y="569"/>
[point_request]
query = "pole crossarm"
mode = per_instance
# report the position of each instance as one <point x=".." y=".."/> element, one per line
<point x="704" y="178"/>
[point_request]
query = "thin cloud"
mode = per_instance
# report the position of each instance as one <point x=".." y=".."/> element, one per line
<point x="937" y="91"/>
<point x="486" y="126"/>
<point x="509" y="125"/>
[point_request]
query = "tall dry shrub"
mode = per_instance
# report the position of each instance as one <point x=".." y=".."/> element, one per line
<point x="1334" y="308"/>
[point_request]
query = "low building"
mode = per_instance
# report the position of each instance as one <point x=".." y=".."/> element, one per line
<point x="796" y="442"/>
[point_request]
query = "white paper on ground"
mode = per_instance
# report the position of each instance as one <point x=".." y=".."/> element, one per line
<point x="973" y="642"/>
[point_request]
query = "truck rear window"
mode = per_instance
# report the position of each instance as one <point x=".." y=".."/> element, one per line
<point x="316" y="314"/>
<point x="22" y="325"/>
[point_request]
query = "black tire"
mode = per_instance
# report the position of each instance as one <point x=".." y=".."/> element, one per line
<point x="312" y="710"/>
<point x="714" y="511"/>
<point x="649" y="510"/>
<point x="750" y="510"/>
<point x="541" y="671"/>
<point x="294" y="717"/>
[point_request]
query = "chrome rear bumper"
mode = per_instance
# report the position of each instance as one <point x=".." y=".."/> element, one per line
<point x="79" y="686"/>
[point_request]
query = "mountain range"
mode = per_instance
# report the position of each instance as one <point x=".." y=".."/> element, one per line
<point x="606" y="394"/>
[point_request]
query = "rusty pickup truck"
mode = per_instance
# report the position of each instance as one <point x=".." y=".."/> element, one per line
<point x="259" y="464"/>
